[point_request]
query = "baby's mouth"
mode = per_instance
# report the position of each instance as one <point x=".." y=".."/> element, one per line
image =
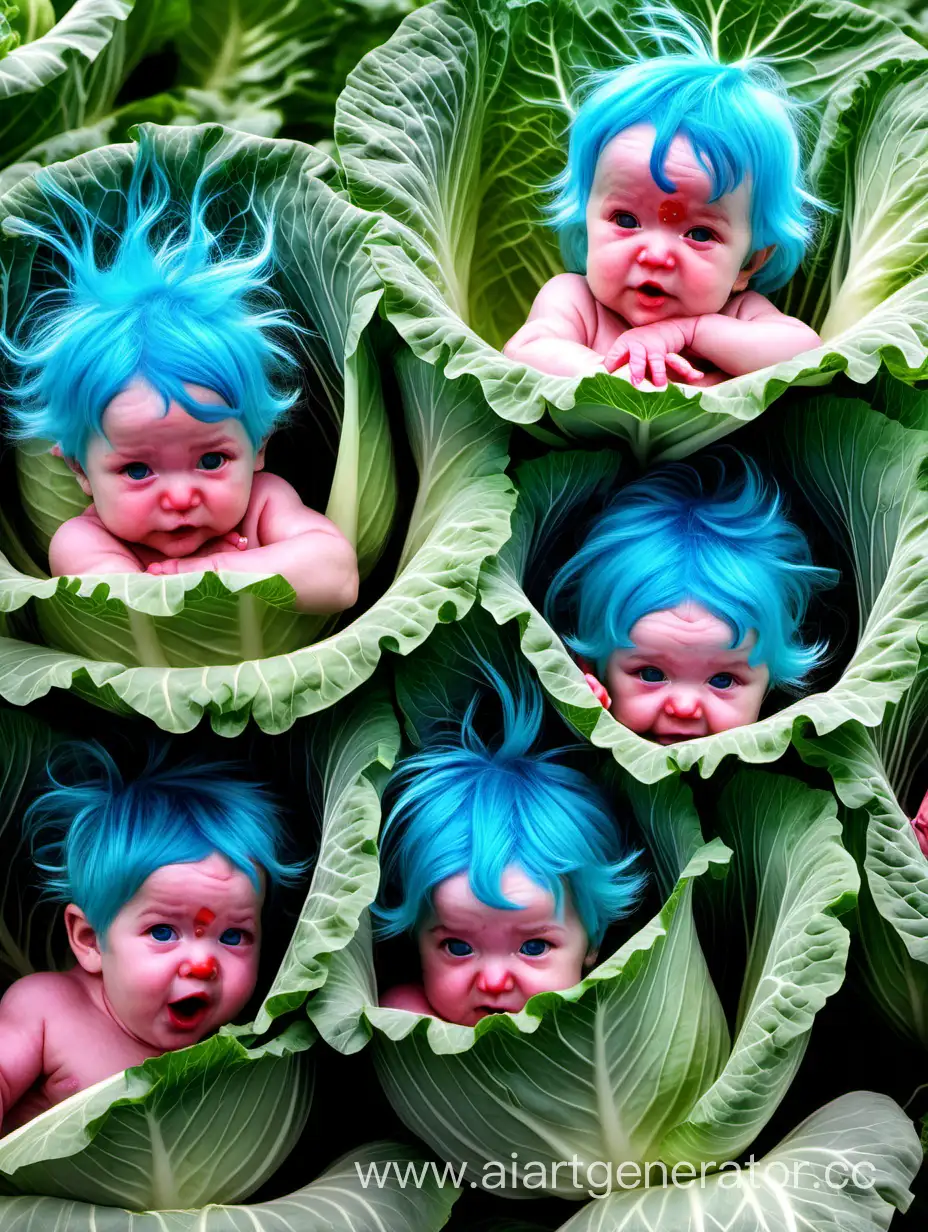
<point x="650" y="291"/>
<point x="188" y="1012"/>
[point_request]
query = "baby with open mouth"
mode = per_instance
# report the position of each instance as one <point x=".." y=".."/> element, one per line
<point x="164" y="878"/>
<point x="681" y="206"/>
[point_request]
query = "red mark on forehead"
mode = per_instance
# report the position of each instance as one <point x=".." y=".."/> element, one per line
<point x="203" y="918"/>
<point x="671" y="211"/>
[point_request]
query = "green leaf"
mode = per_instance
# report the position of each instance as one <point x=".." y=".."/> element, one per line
<point x="792" y="878"/>
<point x="455" y="126"/>
<point x="344" y="1198"/>
<point x="161" y="1134"/>
<point x="292" y="57"/>
<point x="31" y="19"/>
<point x="846" y="1168"/>
<point x="863" y="473"/>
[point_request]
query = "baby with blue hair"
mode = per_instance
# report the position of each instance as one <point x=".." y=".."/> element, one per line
<point x="688" y="597"/>
<point x="157" y="370"/>
<point x="681" y="205"/>
<point x="506" y="866"/>
<point x="163" y="877"/>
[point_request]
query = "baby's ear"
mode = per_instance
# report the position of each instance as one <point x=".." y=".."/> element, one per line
<point x="755" y="262"/>
<point x="591" y="957"/>
<point x="76" y="467"/>
<point x="259" y="457"/>
<point x="83" y="939"/>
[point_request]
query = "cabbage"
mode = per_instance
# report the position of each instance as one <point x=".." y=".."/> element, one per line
<point x="231" y="644"/>
<point x="862" y="472"/>
<point x="454" y="126"/>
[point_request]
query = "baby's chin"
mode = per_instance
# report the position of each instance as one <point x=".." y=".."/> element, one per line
<point x="175" y="545"/>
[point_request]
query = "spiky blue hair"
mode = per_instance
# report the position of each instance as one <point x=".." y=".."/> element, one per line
<point x="737" y="118"/>
<point x="164" y="299"/>
<point x="668" y="538"/>
<point x="462" y="807"/>
<point x="108" y="834"/>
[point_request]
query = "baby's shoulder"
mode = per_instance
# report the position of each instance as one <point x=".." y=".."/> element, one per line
<point x="747" y="305"/>
<point x="406" y="997"/>
<point x="40" y="994"/>
<point x="570" y="289"/>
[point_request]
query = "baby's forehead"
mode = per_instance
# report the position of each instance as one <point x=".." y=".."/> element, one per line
<point x="139" y="414"/>
<point x="212" y="885"/>
<point x="625" y="165"/>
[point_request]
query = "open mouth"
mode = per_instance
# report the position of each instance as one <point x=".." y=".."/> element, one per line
<point x="187" y="1013"/>
<point x="651" y="290"/>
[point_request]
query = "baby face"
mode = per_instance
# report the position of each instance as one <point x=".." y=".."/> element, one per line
<point x="681" y="679"/>
<point x="181" y="956"/>
<point x="479" y="960"/>
<point x="653" y="255"/>
<point x="168" y="482"/>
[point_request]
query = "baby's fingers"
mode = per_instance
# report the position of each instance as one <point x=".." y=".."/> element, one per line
<point x="616" y="356"/>
<point x="683" y="367"/>
<point x="236" y="540"/>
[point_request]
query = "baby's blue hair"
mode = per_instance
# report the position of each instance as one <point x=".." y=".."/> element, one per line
<point x="461" y="807"/>
<point x="667" y="538"/>
<point x="111" y="834"/>
<point x="160" y="300"/>
<point x="739" y="122"/>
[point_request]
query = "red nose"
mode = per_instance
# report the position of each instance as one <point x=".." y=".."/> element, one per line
<point x="206" y="970"/>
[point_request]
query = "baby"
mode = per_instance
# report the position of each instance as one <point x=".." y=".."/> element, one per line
<point x="159" y="375"/>
<point x="506" y="866"/>
<point x="164" y="879"/>
<point x="680" y="204"/>
<point x="689" y="599"/>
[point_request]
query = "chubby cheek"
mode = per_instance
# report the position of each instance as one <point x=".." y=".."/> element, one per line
<point x="723" y="714"/>
<point x="635" y="706"/>
<point x="606" y="268"/>
<point x="705" y="286"/>
<point x="239" y="977"/>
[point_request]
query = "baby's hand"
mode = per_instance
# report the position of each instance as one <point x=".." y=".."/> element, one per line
<point x="186" y="564"/>
<point x="599" y="690"/>
<point x="656" y="347"/>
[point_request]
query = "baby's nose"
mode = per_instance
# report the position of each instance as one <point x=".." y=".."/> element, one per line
<point x="683" y="705"/>
<point x="179" y="497"/>
<point x="205" y="969"/>
<point x="495" y="977"/>
<point x="657" y="253"/>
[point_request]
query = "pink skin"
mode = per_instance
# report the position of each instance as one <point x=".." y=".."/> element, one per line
<point x="191" y="930"/>
<point x="494" y="975"/>
<point x="682" y="680"/>
<point x="666" y="280"/>
<point x="920" y="825"/>
<point x="172" y="494"/>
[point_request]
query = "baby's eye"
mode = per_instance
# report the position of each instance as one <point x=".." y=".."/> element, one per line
<point x="535" y="947"/>
<point x="137" y="470"/>
<point x="211" y="461"/>
<point x="233" y="936"/>
<point x="162" y="932"/>
<point x="702" y="235"/>
<point x="457" y="948"/>
<point x="625" y="220"/>
<point x="651" y="675"/>
<point x="722" y="680"/>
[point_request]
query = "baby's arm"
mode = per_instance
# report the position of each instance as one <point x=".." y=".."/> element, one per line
<point x="750" y="333"/>
<point x="22" y="1040"/>
<point x="300" y="544"/>
<point x="560" y="326"/>
<point x="84" y="545"/>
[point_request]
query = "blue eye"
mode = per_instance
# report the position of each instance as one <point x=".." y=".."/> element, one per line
<point x="722" y="680"/>
<point x="702" y="235"/>
<point x="137" y="470"/>
<point x="535" y="947"/>
<point x="232" y="936"/>
<point x="628" y="221"/>
<point x="651" y="675"/>
<point x="211" y="461"/>
<point x="162" y="932"/>
<point x="458" y="948"/>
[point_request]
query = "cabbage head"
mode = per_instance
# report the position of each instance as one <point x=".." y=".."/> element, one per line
<point x="454" y="127"/>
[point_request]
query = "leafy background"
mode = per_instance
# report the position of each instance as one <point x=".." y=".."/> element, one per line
<point x="421" y="252"/>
